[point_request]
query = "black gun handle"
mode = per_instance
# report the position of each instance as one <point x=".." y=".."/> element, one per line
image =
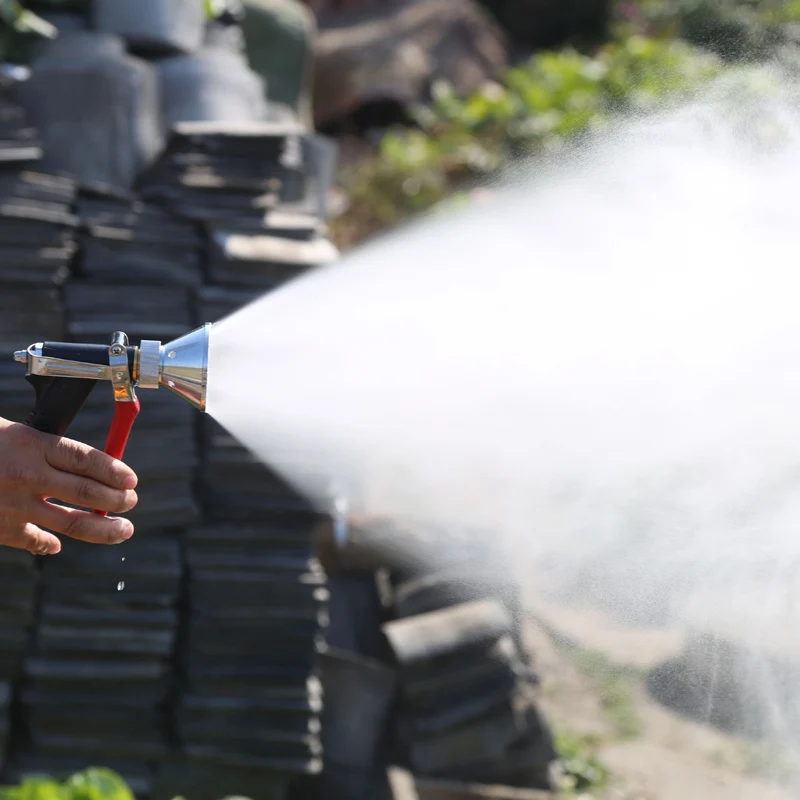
<point x="58" y="401"/>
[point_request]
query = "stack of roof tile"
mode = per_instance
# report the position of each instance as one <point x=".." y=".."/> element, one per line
<point x="37" y="240"/>
<point x="17" y="615"/>
<point x="467" y="709"/>
<point x="100" y="670"/>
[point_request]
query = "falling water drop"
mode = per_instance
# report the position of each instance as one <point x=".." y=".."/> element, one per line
<point x="120" y="586"/>
<point x="123" y="558"/>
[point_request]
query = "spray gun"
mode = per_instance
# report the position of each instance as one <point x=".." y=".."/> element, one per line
<point x="63" y="376"/>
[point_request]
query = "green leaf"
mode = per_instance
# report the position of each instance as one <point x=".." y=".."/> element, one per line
<point x="97" y="784"/>
<point x="42" y="788"/>
<point x="13" y="13"/>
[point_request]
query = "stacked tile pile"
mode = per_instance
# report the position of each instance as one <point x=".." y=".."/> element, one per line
<point x="127" y="241"/>
<point x="103" y="655"/>
<point x="225" y="174"/>
<point x="17" y="615"/>
<point x="104" y="651"/>
<point x="468" y="711"/>
<point x="248" y="715"/>
<point x="256" y="595"/>
<point x="256" y="605"/>
<point x="289" y="246"/>
<point x="99" y="676"/>
<point x="37" y="235"/>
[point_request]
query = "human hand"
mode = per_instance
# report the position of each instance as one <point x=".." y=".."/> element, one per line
<point x="36" y="466"/>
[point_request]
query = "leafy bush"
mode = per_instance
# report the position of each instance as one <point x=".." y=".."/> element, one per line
<point x="554" y="97"/>
<point x="734" y="29"/>
<point x="579" y="768"/>
<point x="91" y="784"/>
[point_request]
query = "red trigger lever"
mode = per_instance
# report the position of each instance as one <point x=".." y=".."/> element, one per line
<point x="126" y="403"/>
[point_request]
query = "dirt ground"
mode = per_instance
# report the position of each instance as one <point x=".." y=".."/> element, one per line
<point x="663" y="756"/>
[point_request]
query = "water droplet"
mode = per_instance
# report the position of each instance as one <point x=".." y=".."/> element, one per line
<point x="123" y="558"/>
<point x="120" y="586"/>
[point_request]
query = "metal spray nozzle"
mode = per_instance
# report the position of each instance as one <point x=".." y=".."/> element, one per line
<point x="181" y="365"/>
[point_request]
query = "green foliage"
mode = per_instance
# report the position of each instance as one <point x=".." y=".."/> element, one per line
<point x="215" y="8"/>
<point x="734" y="29"/>
<point x="91" y="784"/>
<point x="614" y="685"/>
<point x="22" y="21"/>
<point x="579" y="767"/>
<point x="554" y="97"/>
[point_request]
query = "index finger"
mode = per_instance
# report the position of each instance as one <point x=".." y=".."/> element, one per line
<point x="76" y="458"/>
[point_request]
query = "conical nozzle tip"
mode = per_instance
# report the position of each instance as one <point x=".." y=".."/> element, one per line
<point x="184" y="366"/>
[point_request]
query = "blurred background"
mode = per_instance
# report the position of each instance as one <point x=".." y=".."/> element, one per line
<point x="164" y="162"/>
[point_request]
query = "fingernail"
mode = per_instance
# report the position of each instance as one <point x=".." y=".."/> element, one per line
<point x="132" y="500"/>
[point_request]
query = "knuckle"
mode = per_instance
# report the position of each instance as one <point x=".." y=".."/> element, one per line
<point x="118" y="502"/>
<point x="85" y="493"/>
<point x="35" y="544"/>
<point x="87" y="528"/>
<point x="104" y="531"/>
<point x="75" y="526"/>
<point x="23" y="436"/>
<point x="77" y="456"/>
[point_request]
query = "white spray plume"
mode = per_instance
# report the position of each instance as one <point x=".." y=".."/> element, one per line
<point x="602" y="365"/>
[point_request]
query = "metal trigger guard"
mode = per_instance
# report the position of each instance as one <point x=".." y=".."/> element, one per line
<point x="124" y="391"/>
<point x="126" y="403"/>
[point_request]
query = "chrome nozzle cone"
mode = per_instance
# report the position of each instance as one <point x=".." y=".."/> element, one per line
<point x="183" y="366"/>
